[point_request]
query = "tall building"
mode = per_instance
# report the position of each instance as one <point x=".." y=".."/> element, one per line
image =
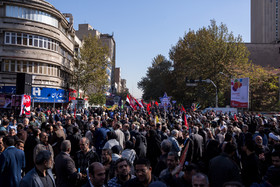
<point x="107" y="40"/>
<point x="264" y="21"/>
<point x="265" y="47"/>
<point x="36" y="39"/>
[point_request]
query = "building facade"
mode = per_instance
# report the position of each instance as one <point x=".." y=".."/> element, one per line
<point x="107" y="40"/>
<point x="36" y="39"/>
<point x="264" y="21"/>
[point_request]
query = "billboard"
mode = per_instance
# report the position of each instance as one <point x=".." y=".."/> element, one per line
<point x="41" y="94"/>
<point x="240" y="93"/>
<point x="6" y="101"/>
<point x="49" y="95"/>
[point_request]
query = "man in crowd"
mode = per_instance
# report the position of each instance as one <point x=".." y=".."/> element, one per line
<point x="12" y="161"/>
<point x="66" y="172"/>
<point x="108" y="163"/>
<point x="85" y="156"/>
<point x="96" y="175"/>
<point x="123" y="170"/>
<point x="41" y="175"/>
<point x="200" y="180"/>
<point x="222" y="168"/>
<point x="143" y="171"/>
<point x="43" y="145"/>
<point x="172" y="163"/>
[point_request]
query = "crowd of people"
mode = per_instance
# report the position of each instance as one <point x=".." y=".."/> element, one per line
<point x="124" y="147"/>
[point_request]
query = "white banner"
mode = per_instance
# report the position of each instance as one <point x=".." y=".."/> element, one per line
<point x="240" y="93"/>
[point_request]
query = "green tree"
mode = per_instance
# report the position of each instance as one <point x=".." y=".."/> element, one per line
<point x="208" y="53"/>
<point x="91" y="75"/>
<point x="157" y="78"/>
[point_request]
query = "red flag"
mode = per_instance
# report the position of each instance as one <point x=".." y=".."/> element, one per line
<point x="143" y="103"/>
<point x="235" y="118"/>
<point x="148" y="108"/>
<point x="156" y="103"/>
<point x="128" y="99"/>
<point x="186" y="121"/>
<point x="183" y="109"/>
<point x="138" y="103"/>
<point x="75" y="110"/>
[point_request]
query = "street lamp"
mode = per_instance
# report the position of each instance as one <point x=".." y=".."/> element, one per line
<point x="210" y="81"/>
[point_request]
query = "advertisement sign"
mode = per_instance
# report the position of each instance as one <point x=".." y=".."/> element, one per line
<point x="6" y="101"/>
<point x="25" y="105"/>
<point x="8" y="89"/>
<point x="49" y="95"/>
<point x="41" y="94"/>
<point x="72" y="94"/>
<point x="240" y="93"/>
<point x="113" y="100"/>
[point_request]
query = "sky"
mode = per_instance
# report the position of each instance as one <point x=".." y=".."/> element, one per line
<point x="144" y="29"/>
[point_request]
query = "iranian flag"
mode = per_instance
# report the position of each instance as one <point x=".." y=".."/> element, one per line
<point x="128" y="99"/>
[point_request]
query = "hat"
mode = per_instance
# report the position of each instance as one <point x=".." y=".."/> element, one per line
<point x="274" y="137"/>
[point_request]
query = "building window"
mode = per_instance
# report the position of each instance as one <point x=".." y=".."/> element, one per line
<point x="40" y="68"/>
<point x="35" y="67"/>
<point x="31" y="40"/>
<point x="13" y="66"/>
<point x="24" y="39"/>
<point x="18" y="66"/>
<point x="19" y="38"/>
<point x="30" y="67"/>
<point x="24" y="67"/>
<point x="45" y="68"/>
<point x="13" y="38"/>
<point x="6" y="65"/>
<point x="31" y="14"/>
<point x="7" y="38"/>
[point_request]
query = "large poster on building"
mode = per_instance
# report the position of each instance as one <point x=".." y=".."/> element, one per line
<point x="240" y="93"/>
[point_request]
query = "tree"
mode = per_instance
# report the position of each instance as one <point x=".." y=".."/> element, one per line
<point x="214" y="53"/>
<point x="205" y="53"/>
<point x="157" y="77"/>
<point x="91" y="75"/>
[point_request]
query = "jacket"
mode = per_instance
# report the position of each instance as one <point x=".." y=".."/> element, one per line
<point x="32" y="179"/>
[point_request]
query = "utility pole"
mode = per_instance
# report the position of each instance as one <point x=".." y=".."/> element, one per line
<point x="192" y="82"/>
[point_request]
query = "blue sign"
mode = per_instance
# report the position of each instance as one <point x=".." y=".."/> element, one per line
<point x="41" y="94"/>
<point x="49" y="95"/>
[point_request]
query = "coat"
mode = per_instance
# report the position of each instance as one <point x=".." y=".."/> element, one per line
<point x="32" y="179"/>
<point x="223" y="169"/>
<point x="66" y="172"/>
<point x="12" y="161"/>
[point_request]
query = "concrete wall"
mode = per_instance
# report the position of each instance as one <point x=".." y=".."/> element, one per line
<point x="265" y="54"/>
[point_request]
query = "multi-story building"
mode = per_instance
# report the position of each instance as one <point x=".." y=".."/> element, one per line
<point x="265" y="47"/>
<point x="107" y="40"/>
<point x="118" y="79"/>
<point x="264" y="21"/>
<point x="123" y="87"/>
<point x="37" y="39"/>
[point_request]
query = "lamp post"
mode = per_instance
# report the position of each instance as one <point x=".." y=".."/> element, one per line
<point x="210" y="81"/>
